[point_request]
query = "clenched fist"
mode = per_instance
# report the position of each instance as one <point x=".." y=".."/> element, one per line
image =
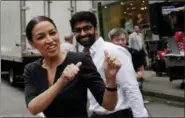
<point x="70" y="72"/>
<point x="111" y="66"/>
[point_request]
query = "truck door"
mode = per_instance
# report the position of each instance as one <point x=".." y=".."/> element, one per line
<point x="60" y="12"/>
<point x="11" y="31"/>
<point x="34" y="8"/>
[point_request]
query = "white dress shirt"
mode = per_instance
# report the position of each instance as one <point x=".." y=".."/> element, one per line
<point x="136" y="41"/>
<point x="129" y="95"/>
<point x="68" y="47"/>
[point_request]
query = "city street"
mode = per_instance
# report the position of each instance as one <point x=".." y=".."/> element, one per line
<point x="13" y="104"/>
<point x="151" y="31"/>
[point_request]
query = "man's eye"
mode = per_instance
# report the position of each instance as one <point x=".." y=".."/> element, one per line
<point x="77" y="30"/>
<point x="86" y="28"/>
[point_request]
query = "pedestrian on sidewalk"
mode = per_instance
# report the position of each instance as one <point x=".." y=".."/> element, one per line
<point x="57" y="83"/>
<point x="119" y="37"/>
<point x="136" y="41"/>
<point x="130" y="102"/>
<point x="68" y="45"/>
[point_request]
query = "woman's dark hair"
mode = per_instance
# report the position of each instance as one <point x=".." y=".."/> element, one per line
<point x="33" y="22"/>
<point x="83" y="16"/>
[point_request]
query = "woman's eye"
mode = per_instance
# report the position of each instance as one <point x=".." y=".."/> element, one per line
<point x="53" y="33"/>
<point x="40" y="37"/>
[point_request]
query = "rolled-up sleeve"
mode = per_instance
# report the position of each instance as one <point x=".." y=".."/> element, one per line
<point x="30" y="90"/>
<point x="93" y="79"/>
<point x="126" y="77"/>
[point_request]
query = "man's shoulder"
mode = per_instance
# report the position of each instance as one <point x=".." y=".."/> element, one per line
<point x="133" y="33"/>
<point x="110" y="46"/>
<point x="115" y="49"/>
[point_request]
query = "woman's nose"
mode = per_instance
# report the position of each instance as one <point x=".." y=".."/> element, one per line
<point x="49" y="39"/>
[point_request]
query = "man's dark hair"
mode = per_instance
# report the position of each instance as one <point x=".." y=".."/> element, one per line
<point x="33" y="22"/>
<point x="83" y="16"/>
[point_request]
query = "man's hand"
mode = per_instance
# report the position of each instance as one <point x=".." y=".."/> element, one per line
<point x="111" y="67"/>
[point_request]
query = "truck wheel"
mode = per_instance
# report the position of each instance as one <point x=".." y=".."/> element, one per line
<point x="158" y="74"/>
<point x="12" y="79"/>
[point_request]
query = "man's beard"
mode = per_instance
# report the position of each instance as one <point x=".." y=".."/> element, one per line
<point x="86" y="41"/>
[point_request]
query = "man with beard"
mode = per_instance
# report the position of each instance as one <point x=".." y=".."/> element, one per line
<point x="130" y="102"/>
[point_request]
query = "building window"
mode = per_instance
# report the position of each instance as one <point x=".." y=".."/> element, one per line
<point x="125" y="14"/>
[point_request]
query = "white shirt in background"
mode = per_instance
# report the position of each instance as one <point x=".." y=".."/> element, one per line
<point x="68" y="47"/>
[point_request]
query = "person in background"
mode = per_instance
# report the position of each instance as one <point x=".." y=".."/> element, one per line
<point x="57" y="83"/>
<point x="136" y="42"/>
<point x="129" y="27"/>
<point x="118" y="36"/>
<point x="130" y="102"/>
<point x="141" y="22"/>
<point x="68" y="45"/>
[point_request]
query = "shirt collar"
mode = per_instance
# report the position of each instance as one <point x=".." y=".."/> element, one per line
<point x="137" y="33"/>
<point x="96" y="46"/>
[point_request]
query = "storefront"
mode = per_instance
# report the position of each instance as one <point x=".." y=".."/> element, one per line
<point x="124" y="14"/>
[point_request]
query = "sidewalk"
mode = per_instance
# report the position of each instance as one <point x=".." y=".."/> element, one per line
<point x="161" y="87"/>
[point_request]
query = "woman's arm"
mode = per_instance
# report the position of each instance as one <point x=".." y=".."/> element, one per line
<point x="37" y="104"/>
<point x="42" y="101"/>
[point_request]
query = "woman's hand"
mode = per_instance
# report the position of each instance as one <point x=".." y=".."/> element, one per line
<point x="69" y="73"/>
<point x="111" y="67"/>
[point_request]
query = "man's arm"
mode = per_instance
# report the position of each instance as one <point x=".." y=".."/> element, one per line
<point x="126" y="78"/>
<point x="95" y="83"/>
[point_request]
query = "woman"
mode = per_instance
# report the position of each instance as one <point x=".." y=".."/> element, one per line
<point x="57" y="83"/>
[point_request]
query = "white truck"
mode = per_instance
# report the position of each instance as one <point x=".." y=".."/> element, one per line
<point x="15" y="50"/>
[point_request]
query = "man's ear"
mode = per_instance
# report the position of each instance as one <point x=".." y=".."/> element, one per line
<point x="32" y="44"/>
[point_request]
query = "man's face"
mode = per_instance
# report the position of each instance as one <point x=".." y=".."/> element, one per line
<point x="120" y="40"/>
<point x="85" y="33"/>
<point x="137" y="29"/>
